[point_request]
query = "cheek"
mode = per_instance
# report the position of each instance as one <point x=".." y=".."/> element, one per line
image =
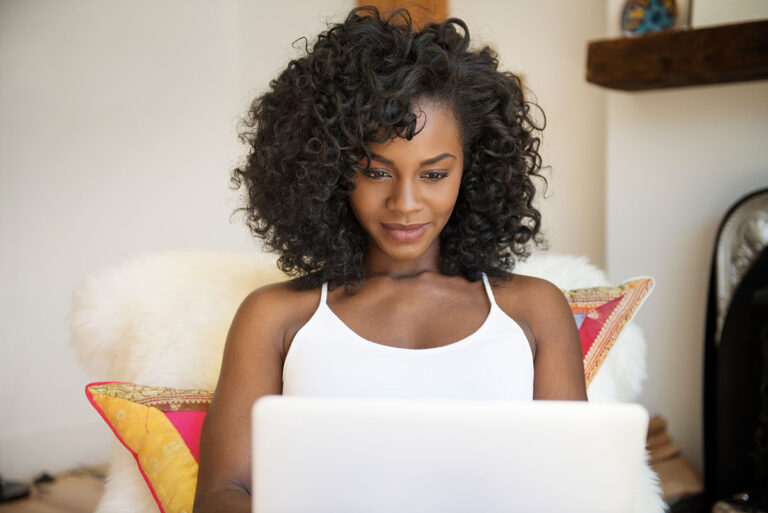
<point x="445" y="199"/>
<point x="362" y="204"/>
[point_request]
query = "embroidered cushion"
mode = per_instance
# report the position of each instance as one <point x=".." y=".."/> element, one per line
<point x="601" y="313"/>
<point x="160" y="426"/>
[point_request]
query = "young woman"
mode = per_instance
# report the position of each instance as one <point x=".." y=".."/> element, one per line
<point x="392" y="169"/>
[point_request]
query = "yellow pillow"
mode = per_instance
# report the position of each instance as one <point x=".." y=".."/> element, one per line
<point x="160" y="426"/>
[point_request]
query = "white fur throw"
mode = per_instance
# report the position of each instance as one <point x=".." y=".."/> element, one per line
<point x="161" y="319"/>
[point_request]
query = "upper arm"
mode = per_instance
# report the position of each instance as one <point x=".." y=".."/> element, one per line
<point x="546" y="318"/>
<point x="251" y="367"/>
<point x="559" y="363"/>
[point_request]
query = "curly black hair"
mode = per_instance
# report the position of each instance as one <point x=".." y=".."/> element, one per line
<point x="358" y="84"/>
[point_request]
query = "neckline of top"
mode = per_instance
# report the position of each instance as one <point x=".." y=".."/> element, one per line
<point x="450" y="345"/>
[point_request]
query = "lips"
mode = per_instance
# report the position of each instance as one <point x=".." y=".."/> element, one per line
<point x="405" y="232"/>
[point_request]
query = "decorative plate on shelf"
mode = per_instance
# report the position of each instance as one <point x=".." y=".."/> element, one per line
<point x="647" y="16"/>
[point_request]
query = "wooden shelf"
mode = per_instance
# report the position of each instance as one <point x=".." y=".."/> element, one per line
<point x="677" y="58"/>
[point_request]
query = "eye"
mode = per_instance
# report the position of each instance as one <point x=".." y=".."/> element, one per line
<point x="434" y="176"/>
<point x="376" y="174"/>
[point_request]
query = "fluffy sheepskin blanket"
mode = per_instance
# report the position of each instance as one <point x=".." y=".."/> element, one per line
<point x="162" y="319"/>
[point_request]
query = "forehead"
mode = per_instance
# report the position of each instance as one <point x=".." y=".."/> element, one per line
<point x="437" y="132"/>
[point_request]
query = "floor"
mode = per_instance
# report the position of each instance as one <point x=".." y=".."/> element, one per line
<point x="75" y="491"/>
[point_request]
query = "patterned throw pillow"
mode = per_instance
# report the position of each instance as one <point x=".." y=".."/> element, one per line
<point x="601" y="313"/>
<point x="161" y="426"/>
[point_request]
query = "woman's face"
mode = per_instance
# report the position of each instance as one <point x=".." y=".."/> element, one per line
<point x="406" y="197"/>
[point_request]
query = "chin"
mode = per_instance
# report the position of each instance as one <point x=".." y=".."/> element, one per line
<point x="404" y="252"/>
<point x="407" y="255"/>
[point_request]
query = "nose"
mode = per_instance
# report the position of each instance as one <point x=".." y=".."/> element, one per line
<point x="404" y="197"/>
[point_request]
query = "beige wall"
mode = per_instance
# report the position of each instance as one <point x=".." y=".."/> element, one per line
<point x="117" y="133"/>
<point x="676" y="161"/>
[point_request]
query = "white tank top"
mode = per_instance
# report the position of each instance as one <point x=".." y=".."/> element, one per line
<point x="327" y="358"/>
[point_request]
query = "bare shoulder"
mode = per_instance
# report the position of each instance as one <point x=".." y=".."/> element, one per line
<point x="279" y="309"/>
<point x="528" y="294"/>
<point x="536" y="304"/>
<point x="280" y="299"/>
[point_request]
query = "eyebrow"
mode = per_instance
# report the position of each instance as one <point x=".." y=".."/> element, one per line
<point x="426" y="162"/>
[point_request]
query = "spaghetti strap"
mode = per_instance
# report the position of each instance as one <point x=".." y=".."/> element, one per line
<point x="488" y="290"/>
<point x="324" y="293"/>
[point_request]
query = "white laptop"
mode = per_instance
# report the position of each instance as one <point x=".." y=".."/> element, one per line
<point x="322" y="455"/>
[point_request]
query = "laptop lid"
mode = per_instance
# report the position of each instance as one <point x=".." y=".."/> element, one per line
<point x="333" y="455"/>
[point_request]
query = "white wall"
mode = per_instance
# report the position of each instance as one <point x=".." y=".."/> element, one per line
<point x="676" y="161"/>
<point x="117" y="134"/>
